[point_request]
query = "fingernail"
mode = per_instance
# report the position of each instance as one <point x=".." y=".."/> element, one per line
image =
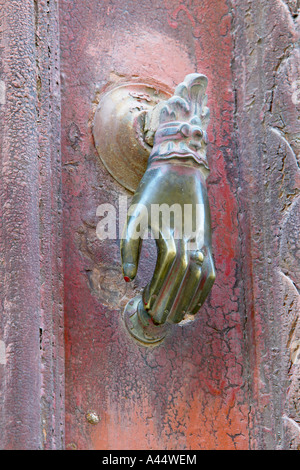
<point x="129" y="269"/>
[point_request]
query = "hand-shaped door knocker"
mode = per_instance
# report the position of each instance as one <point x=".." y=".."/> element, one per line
<point x="171" y="201"/>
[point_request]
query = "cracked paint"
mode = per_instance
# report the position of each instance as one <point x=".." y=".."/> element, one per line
<point x="191" y="391"/>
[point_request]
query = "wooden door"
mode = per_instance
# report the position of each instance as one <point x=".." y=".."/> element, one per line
<point x="70" y="374"/>
<point x="191" y="391"/>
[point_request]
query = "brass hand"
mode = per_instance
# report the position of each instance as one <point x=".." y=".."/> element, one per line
<point x="184" y="272"/>
<point x="174" y="186"/>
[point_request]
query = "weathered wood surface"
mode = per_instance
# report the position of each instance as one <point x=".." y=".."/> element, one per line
<point x="266" y="69"/>
<point x="31" y="321"/>
<point x="192" y="391"/>
<point x="231" y="379"/>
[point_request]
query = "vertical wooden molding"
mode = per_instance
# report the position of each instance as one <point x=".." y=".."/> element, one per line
<point x="266" y="70"/>
<point x="49" y="158"/>
<point x="32" y="378"/>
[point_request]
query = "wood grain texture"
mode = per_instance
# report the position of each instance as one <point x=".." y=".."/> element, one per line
<point x="31" y="377"/>
<point x="266" y="69"/>
<point x="230" y="379"/>
<point x="191" y="392"/>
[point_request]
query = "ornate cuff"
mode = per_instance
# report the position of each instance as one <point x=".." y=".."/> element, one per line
<point x="181" y="124"/>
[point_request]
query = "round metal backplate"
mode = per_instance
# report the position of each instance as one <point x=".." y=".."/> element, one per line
<point x="118" y="129"/>
<point x="145" y="332"/>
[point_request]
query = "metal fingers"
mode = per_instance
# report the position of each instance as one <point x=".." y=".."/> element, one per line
<point x="137" y="224"/>
<point x="189" y="279"/>
<point x="206" y="281"/>
<point x="182" y="278"/>
<point x="188" y="287"/>
<point x="166" y="254"/>
<point x="165" y="297"/>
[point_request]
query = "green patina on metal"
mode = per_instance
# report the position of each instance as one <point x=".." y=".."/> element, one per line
<point x="173" y="181"/>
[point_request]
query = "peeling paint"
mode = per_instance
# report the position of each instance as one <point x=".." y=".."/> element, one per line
<point x="191" y="392"/>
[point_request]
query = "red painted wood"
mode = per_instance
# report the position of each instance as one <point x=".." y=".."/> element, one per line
<point x="50" y="224"/>
<point x="230" y="380"/>
<point x="191" y="392"/>
<point x="20" y="384"/>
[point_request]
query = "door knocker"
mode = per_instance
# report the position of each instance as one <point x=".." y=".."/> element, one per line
<point x="170" y="199"/>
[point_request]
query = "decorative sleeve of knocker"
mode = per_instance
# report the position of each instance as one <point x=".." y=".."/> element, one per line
<point x="171" y="201"/>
